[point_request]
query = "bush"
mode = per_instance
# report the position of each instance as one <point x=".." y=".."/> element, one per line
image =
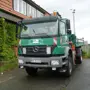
<point x="7" y="41"/>
<point x="2" y="34"/>
<point x="11" y="34"/>
<point x="85" y="54"/>
<point x="88" y="55"/>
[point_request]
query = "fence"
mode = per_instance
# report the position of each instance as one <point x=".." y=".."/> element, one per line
<point x="86" y="48"/>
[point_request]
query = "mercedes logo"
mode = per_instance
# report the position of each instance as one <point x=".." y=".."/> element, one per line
<point x="35" y="49"/>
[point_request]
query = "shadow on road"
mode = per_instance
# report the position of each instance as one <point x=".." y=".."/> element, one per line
<point x="44" y="74"/>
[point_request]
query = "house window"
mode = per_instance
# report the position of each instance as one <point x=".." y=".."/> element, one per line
<point x="39" y="14"/>
<point x="20" y="6"/>
<point x="35" y="11"/>
<point x="16" y="5"/>
<point x="26" y="9"/>
<point x="29" y="12"/>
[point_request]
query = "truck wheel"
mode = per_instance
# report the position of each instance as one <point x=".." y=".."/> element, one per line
<point x="78" y="59"/>
<point x="79" y="56"/>
<point x="69" y="67"/>
<point x="31" y="71"/>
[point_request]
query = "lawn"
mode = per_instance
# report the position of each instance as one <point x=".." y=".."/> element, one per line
<point x="8" y="65"/>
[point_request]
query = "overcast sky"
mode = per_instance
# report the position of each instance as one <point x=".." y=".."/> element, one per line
<point x="82" y="14"/>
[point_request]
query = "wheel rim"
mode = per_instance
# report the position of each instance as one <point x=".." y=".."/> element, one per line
<point x="70" y="67"/>
<point x="81" y="58"/>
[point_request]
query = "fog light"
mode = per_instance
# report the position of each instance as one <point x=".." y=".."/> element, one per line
<point x="54" y="62"/>
<point x="48" y="50"/>
<point x="21" y="67"/>
<point x="24" y="50"/>
<point x="20" y="61"/>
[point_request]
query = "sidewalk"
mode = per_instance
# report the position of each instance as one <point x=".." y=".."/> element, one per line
<point x="7" y="76"/>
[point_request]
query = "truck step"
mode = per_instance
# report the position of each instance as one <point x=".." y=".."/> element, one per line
<point x="63" y="70"/>
<point x="64" y="63"/>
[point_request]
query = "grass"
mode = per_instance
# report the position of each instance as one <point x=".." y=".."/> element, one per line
<point x="8" y="65"/>
<point x="86" y="55"/>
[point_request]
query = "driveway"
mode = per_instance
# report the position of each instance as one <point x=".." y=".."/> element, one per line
<point x="19" y="80"/>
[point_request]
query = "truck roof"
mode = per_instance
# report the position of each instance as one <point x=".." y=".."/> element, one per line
<point x="39" y="19"/>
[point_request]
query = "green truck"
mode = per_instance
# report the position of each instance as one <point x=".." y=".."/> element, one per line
<point x="48" y="43"/>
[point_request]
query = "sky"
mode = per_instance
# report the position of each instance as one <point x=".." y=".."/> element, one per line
<point x="82" y="15"/>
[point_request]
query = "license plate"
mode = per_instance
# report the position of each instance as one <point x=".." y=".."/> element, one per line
<point x="36" y="61"/>
<point x="54" y="69"/>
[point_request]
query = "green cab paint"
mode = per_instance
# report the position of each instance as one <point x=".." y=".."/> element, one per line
<point x="38" y="41"/>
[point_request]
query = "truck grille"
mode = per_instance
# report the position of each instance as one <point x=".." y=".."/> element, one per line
<point x="36" y="50"/>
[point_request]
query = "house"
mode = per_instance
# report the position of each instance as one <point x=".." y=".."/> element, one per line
<point x="16" y="10"/>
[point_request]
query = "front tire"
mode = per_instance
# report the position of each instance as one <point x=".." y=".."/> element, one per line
<point x="69" y="67"/>
<point x="31" y="71"/>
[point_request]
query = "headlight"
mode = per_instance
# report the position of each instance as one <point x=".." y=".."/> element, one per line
<point x="55" y="62"/>
<point x="24" y="50"/>
<point x="20" y="61"/>
<point x="48" y="50"/>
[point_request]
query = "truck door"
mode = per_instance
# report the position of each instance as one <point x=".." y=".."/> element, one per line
<point x="63" y="34"/>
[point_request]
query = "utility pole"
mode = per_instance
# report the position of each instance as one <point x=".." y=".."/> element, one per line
<point x="73" y="12"/>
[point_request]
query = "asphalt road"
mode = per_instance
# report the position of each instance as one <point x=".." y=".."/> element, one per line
<point x="19" y="80"/>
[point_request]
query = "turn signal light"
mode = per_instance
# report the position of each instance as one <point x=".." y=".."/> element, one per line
<point x="55" y="13"/>
<point x="73" y="47"/>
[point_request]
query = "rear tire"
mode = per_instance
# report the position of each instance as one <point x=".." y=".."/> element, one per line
<point x="79" y="56"/>
<point x="31" y="71"/>
<point x="69" y="67"/>
<point x="79" y="60"/>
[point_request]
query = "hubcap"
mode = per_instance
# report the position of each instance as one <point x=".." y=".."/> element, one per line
<point x="70" y="67"/>
<point x="81" y="58"/>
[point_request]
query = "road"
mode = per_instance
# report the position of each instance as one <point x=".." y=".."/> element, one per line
<point x="19" y="80"/>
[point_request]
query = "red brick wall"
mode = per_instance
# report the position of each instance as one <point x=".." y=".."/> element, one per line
<point x="7" y="5"/>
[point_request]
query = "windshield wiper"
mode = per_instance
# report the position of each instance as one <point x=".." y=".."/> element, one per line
<point x="34" y="31"/>
<point x="25" y="35"/>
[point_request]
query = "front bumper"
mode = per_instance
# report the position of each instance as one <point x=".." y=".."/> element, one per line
<point x="45" y="62"/>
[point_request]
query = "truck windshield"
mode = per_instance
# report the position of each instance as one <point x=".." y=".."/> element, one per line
<point x="39" y="29"/>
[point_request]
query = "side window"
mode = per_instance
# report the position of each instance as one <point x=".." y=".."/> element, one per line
<point x="62" y="28"/>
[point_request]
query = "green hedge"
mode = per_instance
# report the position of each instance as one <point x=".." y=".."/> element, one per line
<point x="85" y="54"/>
<point x="7" y="41"/>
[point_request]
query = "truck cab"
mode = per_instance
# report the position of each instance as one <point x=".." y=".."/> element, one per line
<point x="45" y="43"/>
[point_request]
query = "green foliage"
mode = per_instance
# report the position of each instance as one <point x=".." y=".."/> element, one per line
<point x="88" y="55"/>
<point x="85" y="54"/>
<point x="10" y="36"/>
<point x="7" y="41"/>
<point x="2" y="34"/>
<point x="8" y="53"/>
<point x="8" y="65"/>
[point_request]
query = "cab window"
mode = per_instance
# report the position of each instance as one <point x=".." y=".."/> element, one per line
<point x="62" y="28"/>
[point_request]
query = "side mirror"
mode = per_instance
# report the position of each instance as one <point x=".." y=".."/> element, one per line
<point x="17" y="30"/>
<point x="69" y="32"/>
<point x="68" y="24"/>
<point x="25" y="28"/>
